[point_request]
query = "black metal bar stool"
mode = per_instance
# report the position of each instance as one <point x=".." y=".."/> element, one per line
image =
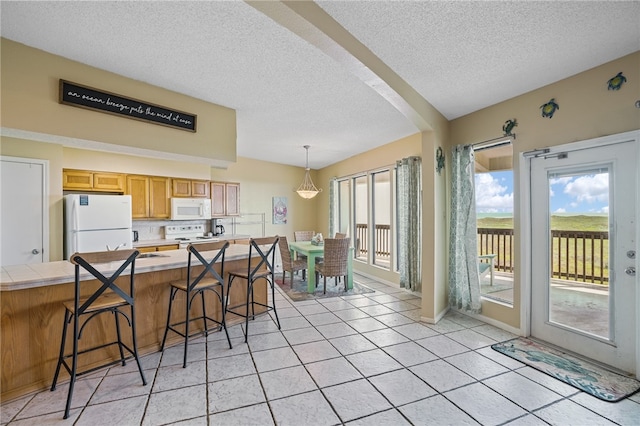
<point x="264" y="250"/>
<point x="109" y="298"/>
<point x="207" y="280"/>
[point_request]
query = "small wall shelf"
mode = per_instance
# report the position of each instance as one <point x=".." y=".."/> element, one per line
<point x="246" y="223"/>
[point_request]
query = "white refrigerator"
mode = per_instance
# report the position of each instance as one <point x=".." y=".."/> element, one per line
<point x="96" y="223"/>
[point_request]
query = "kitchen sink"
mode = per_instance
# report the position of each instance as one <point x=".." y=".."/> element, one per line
<point x="143" y="255"/>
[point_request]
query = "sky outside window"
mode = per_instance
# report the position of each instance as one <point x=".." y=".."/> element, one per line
<point x="494" y="192"/>
<point x="579" y="194"/>
<point x="583" y="194"/>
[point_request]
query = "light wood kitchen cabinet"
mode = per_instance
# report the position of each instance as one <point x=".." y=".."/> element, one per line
<point x="151" y="249"/>
<point x="138" y="188"/>
<point x="190" y="188"/>
<point x="200" y="188"/>
<point x="159" y="197"/>
<point x="180" y="187"/>
<point x="225" y="199"/>
<point x="217" y="199"/>
<point x="84" y="180"/>
<point x="232" y="198"/>
<point x="149" y="196"/>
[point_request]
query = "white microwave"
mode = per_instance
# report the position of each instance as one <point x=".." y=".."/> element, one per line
<point x="190" y="208"/>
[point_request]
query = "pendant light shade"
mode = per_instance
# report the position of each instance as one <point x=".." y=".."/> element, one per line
<point x="307" y="189"/>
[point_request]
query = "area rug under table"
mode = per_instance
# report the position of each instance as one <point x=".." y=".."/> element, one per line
<point x="298" y="291"/>
<point x="581" y="374"/>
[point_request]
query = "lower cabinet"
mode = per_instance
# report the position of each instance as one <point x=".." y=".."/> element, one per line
<point x="158" y="248"/>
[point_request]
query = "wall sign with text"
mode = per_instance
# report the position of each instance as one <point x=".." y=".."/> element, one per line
<point x="90" y="98"/>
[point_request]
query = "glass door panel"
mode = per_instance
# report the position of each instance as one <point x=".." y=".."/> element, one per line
<point x="361" y="215"/>
<point x="578" y="282"/>
<point x="381" y="218"/>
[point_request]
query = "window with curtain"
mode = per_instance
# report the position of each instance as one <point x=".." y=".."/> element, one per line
<point x="365" y="210"/>
<point x="385" y="216"/>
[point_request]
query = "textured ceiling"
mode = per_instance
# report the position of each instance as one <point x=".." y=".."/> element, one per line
<point x="296" y="81"/>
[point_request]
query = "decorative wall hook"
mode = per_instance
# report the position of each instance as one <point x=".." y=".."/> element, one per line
<point x="439" y="160"/>
<point x="508" y="127"/>
<point x="549" y="108"/>
<point x="615" y="83"/>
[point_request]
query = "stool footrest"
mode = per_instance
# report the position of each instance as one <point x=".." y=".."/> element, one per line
<point x="219" y="327"/>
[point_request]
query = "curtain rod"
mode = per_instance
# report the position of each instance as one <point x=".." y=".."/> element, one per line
<point x="491" y="143"/>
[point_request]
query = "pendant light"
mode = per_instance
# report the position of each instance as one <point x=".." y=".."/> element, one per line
<point x="307" y="189"/>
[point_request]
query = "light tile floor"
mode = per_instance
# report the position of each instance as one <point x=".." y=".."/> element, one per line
<point x="356" y="360"/>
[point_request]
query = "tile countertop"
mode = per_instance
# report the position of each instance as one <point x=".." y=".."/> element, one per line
<point x="168" y="242"/>
<point x="20" y="277"/>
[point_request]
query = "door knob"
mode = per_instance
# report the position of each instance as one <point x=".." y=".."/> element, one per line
<point x="631" y="271"/>
<point x="631" y="254"/>
<point x="35" y="251"/>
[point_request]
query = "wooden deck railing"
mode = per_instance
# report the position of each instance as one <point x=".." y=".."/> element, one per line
<point x="580" y="256"/>
<point x="575" y="255"/>
<point x="382" y="238"/>
<point x="500" y="242"/>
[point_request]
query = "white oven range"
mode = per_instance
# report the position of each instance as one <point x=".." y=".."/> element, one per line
<point x="187" y="234"/>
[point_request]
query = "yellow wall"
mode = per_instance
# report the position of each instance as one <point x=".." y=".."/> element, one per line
<point x="84" y="159"/>
<point x="587" y="110"/>
<point x="30" y="86"/>
<point x="260" y="181"/>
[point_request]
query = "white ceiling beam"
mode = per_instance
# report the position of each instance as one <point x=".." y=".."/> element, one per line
<point x="310" y="22"/>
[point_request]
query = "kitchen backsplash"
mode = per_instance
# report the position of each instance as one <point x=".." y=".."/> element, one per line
<point x="154" y="229"/>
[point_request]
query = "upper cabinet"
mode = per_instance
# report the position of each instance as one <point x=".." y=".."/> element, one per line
<point x="84" y="180"/>
<point x="159" y="197"/>
<point x="150" y="196"/>
<point x="232" y="198"/>
<point x="225" y="199"/>
<point x="190" y="188"/>
<point x="138" y="188"/>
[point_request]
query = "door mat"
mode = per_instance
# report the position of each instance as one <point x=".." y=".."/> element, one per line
<point x="299" y="290"/>
<point x="581" y="374"/>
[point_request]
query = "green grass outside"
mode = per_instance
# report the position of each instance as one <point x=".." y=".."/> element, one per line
<point x="565" y="223"/>
<point x="558" y="222"/>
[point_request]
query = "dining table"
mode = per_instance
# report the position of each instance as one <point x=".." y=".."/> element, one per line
<point x="312" y="251"/>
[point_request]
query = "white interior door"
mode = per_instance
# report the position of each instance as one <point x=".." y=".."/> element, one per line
<point x="583" y="285"/>
<point x="24" y="217"/>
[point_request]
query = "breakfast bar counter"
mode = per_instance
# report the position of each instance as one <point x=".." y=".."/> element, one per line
<point x="32" y="313"/>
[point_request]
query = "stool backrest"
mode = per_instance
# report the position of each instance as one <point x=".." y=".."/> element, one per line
<point x="197" y="250"/>
<point x="87" y="261"/>
<point x="265" y="248"/>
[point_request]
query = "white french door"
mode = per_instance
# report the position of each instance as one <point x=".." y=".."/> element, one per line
<point x="583" y="204"/>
